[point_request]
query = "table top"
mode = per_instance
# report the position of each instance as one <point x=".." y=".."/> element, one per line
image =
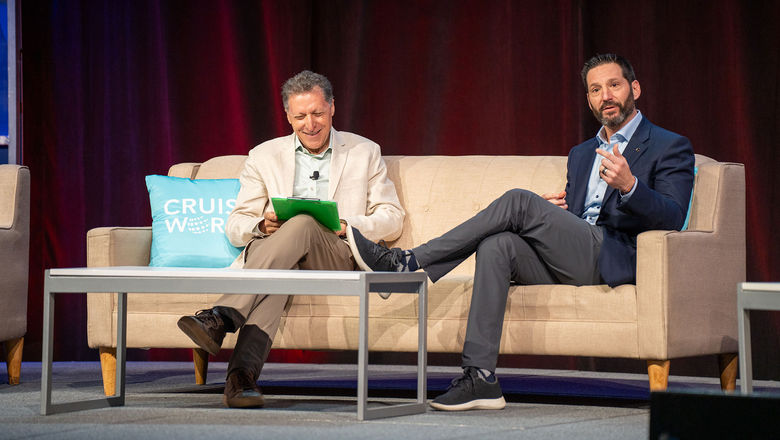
<point x="758" y="296"/>
<point x="225" y="273"/>
<point x="760" y="287"/>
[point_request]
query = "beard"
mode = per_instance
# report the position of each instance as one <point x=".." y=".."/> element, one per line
<point x="624" y="111"/>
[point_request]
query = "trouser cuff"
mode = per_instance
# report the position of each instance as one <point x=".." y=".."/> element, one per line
<point x="251" y="351"/>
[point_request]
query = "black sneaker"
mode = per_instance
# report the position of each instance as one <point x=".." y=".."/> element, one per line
<point x="470" y="391"/>
<point x="206" y="329"/>
<point x="372" y="257"/>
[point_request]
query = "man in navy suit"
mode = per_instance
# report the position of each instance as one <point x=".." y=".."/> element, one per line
<point x="632" y="177"/>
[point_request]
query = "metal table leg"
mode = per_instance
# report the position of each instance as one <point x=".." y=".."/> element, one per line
<point x="47" y="407"/>
<point x="121" y="347"/>
<point x="48" y="349"/>
<point x="419" y="406"/>
<point x="745" y="352"/>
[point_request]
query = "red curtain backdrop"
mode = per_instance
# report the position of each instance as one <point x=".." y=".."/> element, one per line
<point x="113" y="91"/>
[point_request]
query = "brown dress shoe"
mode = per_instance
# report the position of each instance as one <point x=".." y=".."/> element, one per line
<point x="206" y="329"/>
<point x="241" y="391"/>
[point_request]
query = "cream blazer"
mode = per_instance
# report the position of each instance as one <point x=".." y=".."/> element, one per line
<point x="366" y="198"/>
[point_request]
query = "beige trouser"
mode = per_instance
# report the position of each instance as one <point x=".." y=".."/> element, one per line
<point x="301" y="243"/>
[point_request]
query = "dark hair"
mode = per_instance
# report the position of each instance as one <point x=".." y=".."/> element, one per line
<point x="607" y="58"/>
<point x="304" y="82"/>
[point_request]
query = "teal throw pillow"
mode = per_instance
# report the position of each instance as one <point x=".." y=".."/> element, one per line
<point x="188" y="221"/>
<point x="690" y="202"/>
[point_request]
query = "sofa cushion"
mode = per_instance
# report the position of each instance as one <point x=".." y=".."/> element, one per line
<point x="440" y="192"/>
<point x="188" y="221"/>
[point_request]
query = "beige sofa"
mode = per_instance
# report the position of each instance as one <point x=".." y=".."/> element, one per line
<point x="684" y="302"/>
<point x="14" y="263"/>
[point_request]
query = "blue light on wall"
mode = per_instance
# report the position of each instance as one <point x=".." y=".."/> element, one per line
<point x="3" y="68"/>
<point x="3" y="80"/>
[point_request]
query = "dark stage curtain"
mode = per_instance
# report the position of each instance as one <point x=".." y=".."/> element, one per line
<point x="116" y="90"/>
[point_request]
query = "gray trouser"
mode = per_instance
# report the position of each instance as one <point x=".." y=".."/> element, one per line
<point x="522" y="238"/>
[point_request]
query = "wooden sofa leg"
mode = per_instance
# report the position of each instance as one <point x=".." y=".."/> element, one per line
<point x="13" y="357"/>
<point x="201" y="359"/>
<point x="727" y="362"/>
<point x="658" y="373"/>
<point x="108" y="365"/>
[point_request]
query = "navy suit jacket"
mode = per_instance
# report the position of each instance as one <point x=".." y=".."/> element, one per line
<point x="662" y="162"/>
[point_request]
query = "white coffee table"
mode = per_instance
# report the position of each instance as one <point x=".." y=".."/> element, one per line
<point x="752" y="296"/>
<point x="140" y="280"/>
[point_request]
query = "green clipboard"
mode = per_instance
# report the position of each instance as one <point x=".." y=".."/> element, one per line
<point x="324" y="211"/>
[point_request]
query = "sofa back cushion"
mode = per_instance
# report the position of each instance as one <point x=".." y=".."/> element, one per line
<point x="220" y="167"/>
<point x="705" y="194"/>
<point x="439" y="192"/>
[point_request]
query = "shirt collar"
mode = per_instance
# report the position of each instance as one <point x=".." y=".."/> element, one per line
<point x="299" y="146"/>
<point x="624" y="134"/>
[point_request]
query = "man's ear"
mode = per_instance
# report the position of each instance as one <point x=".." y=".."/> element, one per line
<point x="636" y="89"/>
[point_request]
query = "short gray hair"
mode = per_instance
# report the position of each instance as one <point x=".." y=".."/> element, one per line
<point x="304" y="82"/>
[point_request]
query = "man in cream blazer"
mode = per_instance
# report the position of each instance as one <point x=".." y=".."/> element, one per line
<point x="314" y="161"/>
<point x="358" y="183"/>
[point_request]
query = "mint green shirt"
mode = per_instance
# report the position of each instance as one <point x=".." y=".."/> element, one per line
<point x="306" y="164"/>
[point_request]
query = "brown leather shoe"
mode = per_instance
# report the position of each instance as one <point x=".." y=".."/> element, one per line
<point x="206" y="329"/>
<point x="241" y="391"/>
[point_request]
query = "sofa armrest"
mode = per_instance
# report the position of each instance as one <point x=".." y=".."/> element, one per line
<point x="119" y="246"/>
<point x="112" y="246"/>
<point x="686" y="292"/>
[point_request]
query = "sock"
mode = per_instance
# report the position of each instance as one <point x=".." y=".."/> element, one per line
<point x="408" y="262"/>
<point x="487" y="375"/>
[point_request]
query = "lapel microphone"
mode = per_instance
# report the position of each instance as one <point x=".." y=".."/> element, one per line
<point x="315" y="175"/>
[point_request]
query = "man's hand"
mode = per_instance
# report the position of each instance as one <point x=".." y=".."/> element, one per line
<point x="557" y="199"/>
<point x="615" y="170"/>
<point x="343" y="231"/>
<point x="270" y="223"/>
